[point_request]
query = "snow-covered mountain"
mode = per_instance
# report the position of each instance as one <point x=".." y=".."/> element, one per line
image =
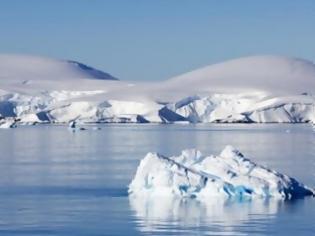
<point x="252" y="89"/>
<point x="264" y="73"/>
<point x="26" y="67"/>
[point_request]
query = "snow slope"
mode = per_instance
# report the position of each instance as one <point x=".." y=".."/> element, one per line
<point x="252" y="89"/>
<point x="23" y="67"/>
<point x="228" y="175"/>
<point x="275" y="74"/>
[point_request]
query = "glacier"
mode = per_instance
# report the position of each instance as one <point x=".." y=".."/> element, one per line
<point x="257" y="89"/>
<point x="228" y="175"/>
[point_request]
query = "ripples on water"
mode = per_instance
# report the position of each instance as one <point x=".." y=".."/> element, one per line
<point x="55" y="182"/>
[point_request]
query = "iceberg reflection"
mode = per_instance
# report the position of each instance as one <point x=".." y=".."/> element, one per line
<point x="216" y="215"/>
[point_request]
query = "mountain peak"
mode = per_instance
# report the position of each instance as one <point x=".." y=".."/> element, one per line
<point x="27" y="67"/>
<point x="266" y="72"/>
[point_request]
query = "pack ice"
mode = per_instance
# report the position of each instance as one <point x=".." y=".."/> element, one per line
<point x="227" y="175"/>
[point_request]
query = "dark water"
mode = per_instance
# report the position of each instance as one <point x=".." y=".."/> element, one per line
<point x="55" y="182"/>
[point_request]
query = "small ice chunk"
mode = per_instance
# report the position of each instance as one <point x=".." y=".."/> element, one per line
<point x="228" y="175"/>
<point x="72" y="124"/>
<point x="8" y="123"/>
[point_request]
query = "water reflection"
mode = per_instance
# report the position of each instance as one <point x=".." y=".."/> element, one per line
<point x="55" y="182"/>
<point x="216" y="215"/>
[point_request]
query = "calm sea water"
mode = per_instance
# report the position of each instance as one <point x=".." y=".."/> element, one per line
<point x="55" y="182"/>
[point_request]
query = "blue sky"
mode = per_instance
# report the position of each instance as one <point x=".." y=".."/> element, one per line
<point x="154" y="40"/>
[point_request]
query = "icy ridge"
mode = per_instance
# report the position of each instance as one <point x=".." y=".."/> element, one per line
<point x="63" y="106"/>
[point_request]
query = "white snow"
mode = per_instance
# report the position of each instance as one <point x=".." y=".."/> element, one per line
<point x="275" y="74"/>
<point x="248" y="108"/>
<point x="28" y="68"/>
<point x="227" y="175"/>
<point x="253" y="89"/>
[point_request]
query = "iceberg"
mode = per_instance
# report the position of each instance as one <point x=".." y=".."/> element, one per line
<point x="8" y="123"/>
<point x="228" y="175"/>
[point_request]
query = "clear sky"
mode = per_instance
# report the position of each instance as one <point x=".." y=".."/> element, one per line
<point x="155" y="40"/>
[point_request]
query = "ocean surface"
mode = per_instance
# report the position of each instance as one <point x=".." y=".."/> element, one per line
<point x="57" y="182"/>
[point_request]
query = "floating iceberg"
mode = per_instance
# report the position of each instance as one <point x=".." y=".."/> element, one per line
<point x="7" y="123"/>
<point x="228" y="175"/>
